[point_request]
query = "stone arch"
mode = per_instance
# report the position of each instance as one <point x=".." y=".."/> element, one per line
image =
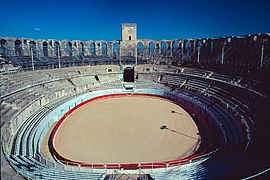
<point x="33" y="48"/>
<point x="33" y="43"/>
<point x="45" y="48"/>
<point x="92" y="47"/>
<point x="81" y="48"/>
<point x="3" y="46"/>
<point x="3" y="42"/>
<point x="69" y="48"/>
<point x="18" y="48"/>
<point x="57" y="49"/>
<point x="116" y="49"/>
<point x="187" y="44"/>
<point x="163" y="47"/>
<point x="140" y="49"/>
<point x="151" y="48"/>
<point x="212" y="46"/>
<point x="104" y="49"/>
<point x="174" y="47"/>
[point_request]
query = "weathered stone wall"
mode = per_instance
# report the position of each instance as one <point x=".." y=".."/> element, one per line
<point x="246" y="51"/>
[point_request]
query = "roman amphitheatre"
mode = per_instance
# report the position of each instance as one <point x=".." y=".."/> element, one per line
<point x="135" y="108"/>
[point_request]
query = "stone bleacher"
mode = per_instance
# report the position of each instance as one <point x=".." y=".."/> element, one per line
<point x="20" y="90"/>
<point x="173" y="79"/>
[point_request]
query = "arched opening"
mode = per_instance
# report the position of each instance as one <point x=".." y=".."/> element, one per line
<point x="57" y="48"/>
<point x="69" y="48"/>
<point x="3" y="46"/>
<point x="92" y="49"/>
<point x="186" y="51"/>
<point x="33" y="48"/>
<point x="104" y="49"/>
<point x="151" y="49"/>
<point x="45" y="48"/>
<point x="175" y="47"/>
<point x="3" y="42"/>
<point x="140" y="49"/>
<point x="212" y="46"/>
<point x="116" y="50"/>
<point x="163" y="48"/>
<point x="81" y="49"/>
<point x="186" y="46"/>
<point x="18" y="48"/>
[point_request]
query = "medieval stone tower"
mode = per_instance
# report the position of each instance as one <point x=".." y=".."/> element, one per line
<point x="128" y="40"/>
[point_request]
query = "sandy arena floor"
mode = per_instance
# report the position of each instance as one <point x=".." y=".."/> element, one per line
<point x="127" y="130"/>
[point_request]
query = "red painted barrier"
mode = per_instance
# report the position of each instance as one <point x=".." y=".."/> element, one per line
<point x="133" y="165"/>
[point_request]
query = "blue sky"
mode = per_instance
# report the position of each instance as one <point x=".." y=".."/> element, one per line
<point x="156" y="19"/>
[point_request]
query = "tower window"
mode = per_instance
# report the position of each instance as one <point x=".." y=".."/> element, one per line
<point x="129" y="37"/>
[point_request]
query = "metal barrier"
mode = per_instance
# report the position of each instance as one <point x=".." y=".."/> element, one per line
<point x="261" y="174"/>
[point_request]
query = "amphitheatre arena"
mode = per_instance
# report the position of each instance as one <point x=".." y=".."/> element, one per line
<point x="140" y="122"/>
<point x="135" y="108"/>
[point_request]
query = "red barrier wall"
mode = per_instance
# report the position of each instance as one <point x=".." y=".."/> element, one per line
<point x="134" y="165"/>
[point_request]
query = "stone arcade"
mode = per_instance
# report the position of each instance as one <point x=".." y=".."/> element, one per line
<point x="247" y="52"/>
